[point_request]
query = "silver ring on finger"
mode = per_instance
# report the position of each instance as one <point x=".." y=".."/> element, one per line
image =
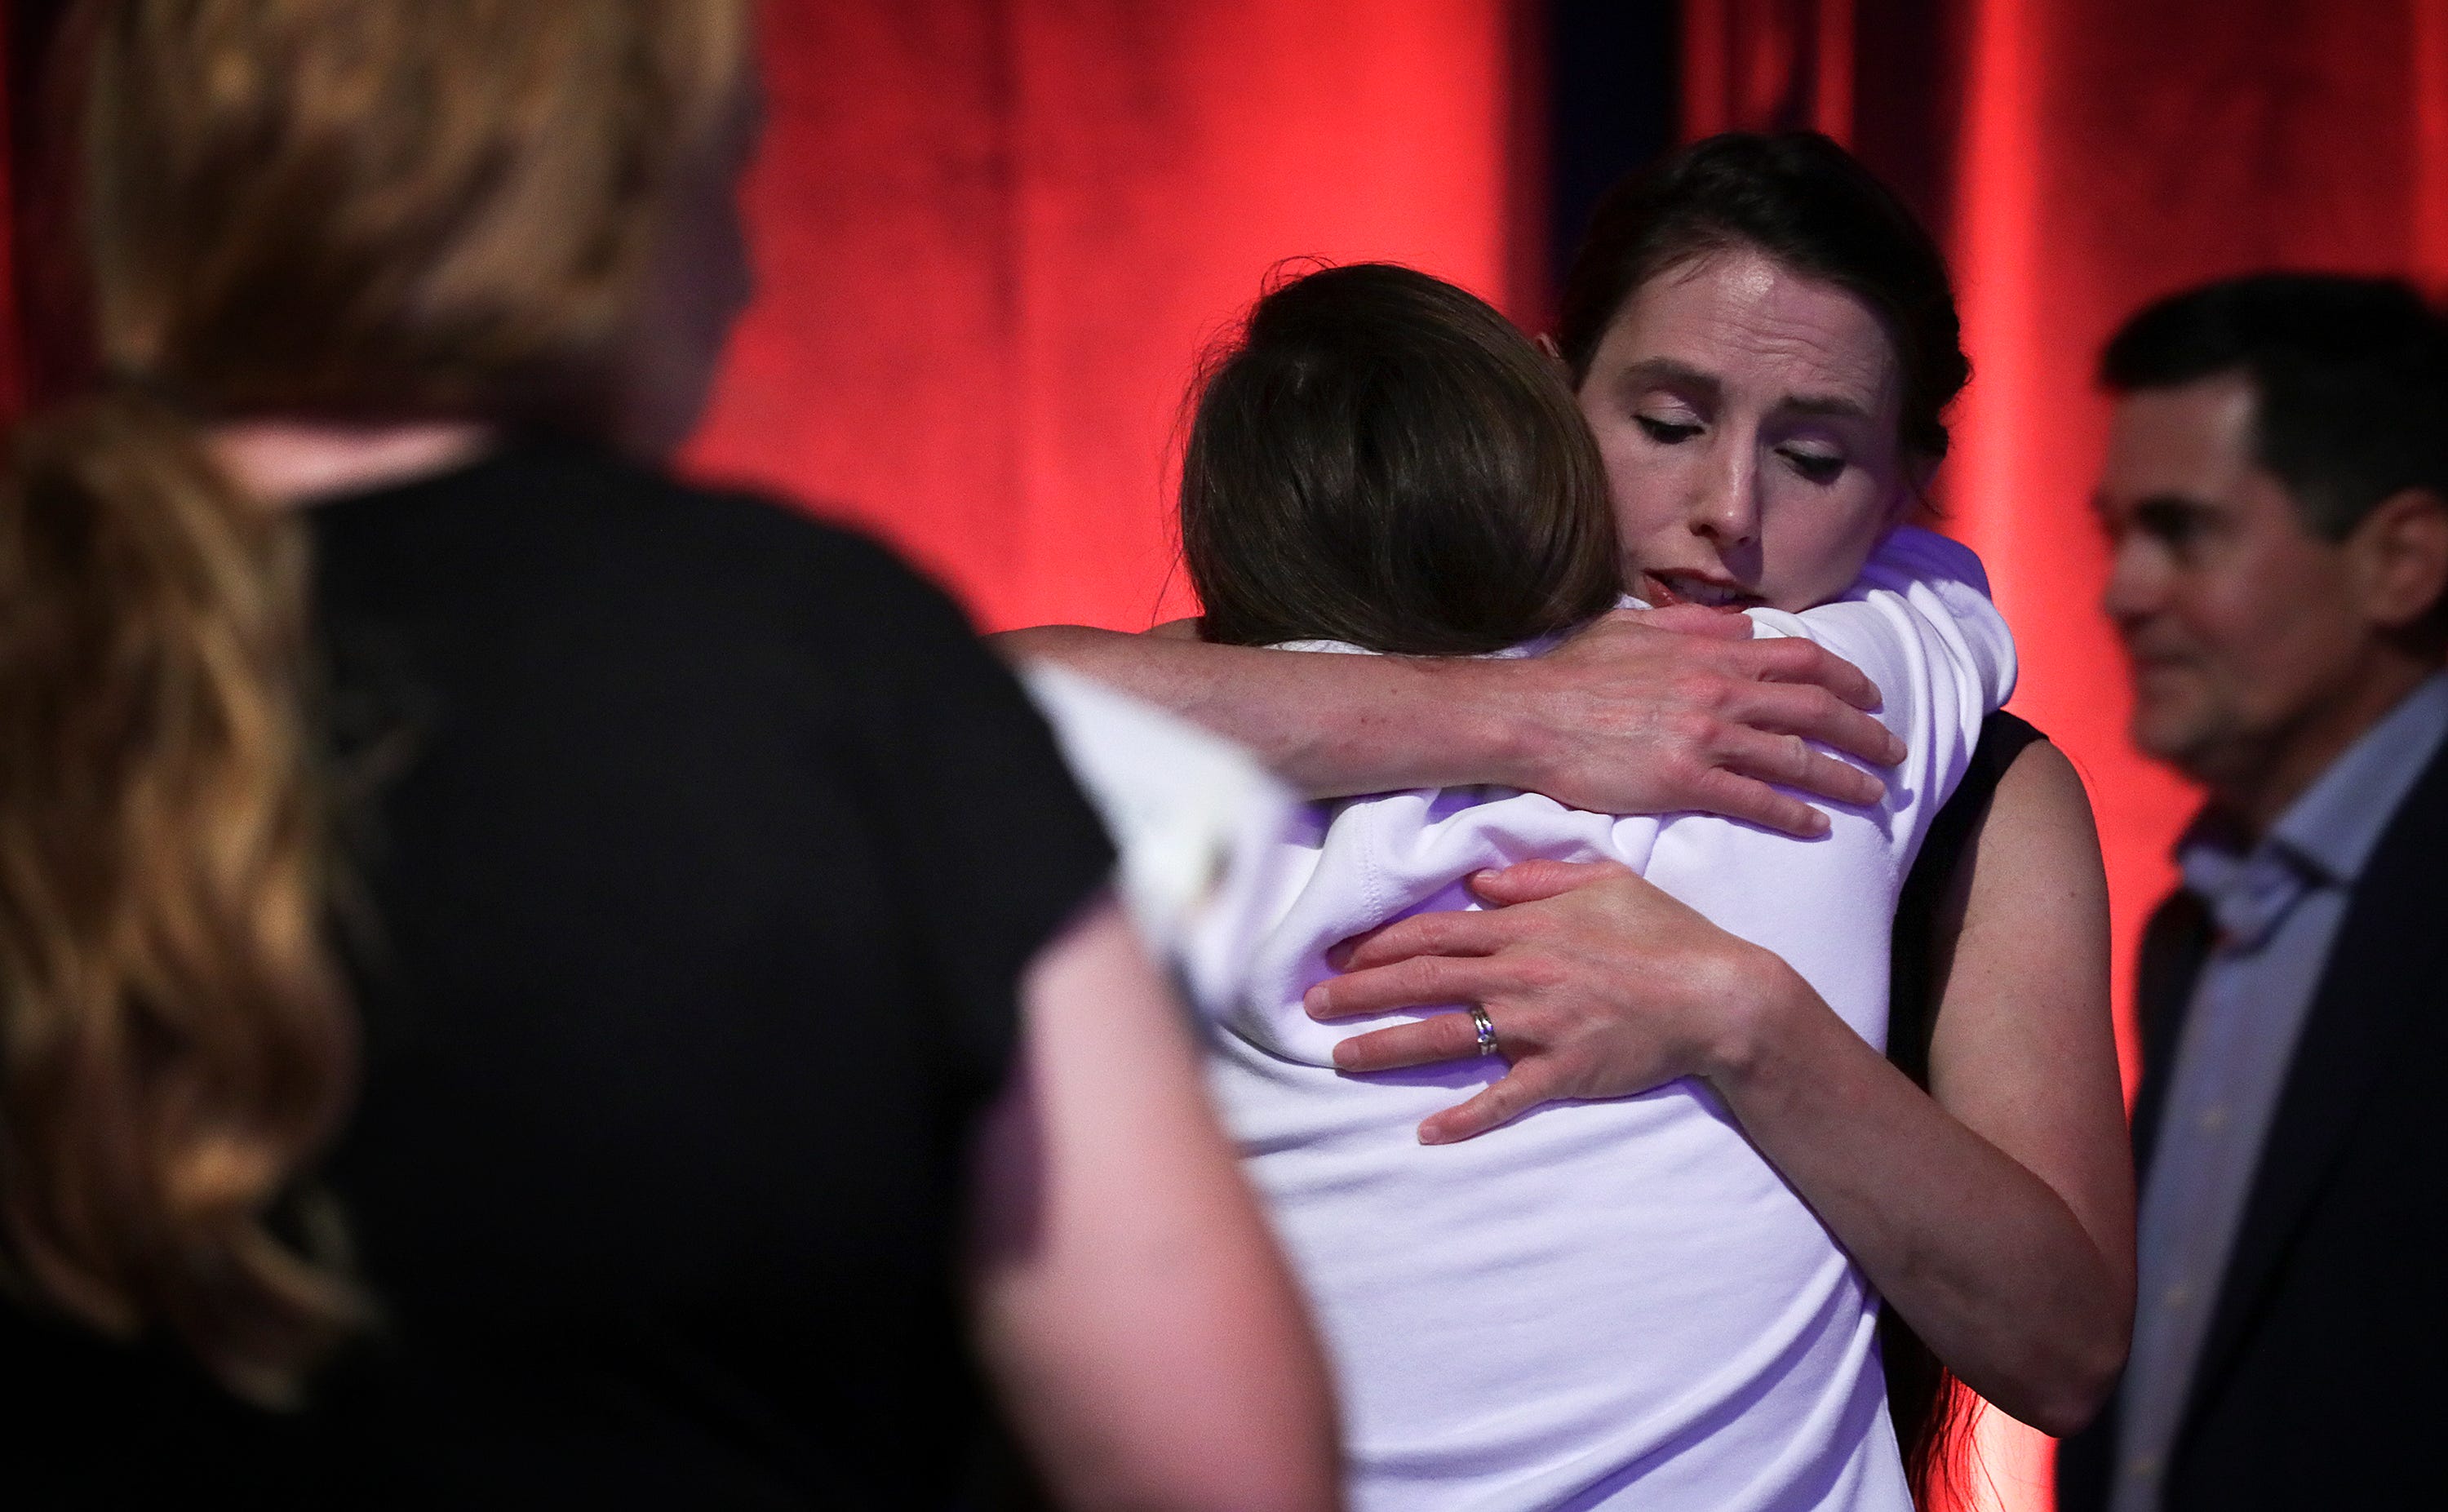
<point x="1486" y="1031"/>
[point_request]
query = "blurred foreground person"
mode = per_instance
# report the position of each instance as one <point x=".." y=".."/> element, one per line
<point x="2276" y="494"/>
<point x="521" y="982"/>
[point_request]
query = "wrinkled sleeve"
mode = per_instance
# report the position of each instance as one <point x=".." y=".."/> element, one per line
<point x="1919" y="623"/>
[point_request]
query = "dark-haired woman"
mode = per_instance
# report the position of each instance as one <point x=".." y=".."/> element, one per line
<point x="1752" y="325"/>
<point x="499" y="1000"/>
<point x="1385" y="461"/>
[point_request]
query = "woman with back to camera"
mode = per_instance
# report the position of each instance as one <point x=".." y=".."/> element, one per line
<point x="1659" y="1320"/>
<point x="1750" y="326"/>
<point x="502" y="999"/>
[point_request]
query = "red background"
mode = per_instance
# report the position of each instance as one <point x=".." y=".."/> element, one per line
<point x="993" y="235"/>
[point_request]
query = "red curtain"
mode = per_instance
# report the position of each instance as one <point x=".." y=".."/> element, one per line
<point x="992" y="237"/>
<point x="2081" y="158"/>
<point x="993" y="234"/>
<point x="2112" y="153"/>
<point x="1768" y="65"/>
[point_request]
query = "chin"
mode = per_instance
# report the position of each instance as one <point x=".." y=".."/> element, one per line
<point x="2191" y="741"/>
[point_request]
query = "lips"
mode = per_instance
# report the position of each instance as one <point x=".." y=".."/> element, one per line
<point x="1690" y="587"/>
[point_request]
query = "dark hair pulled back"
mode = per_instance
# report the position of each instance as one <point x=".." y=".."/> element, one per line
<point x="1803" y="201"/>
<point x="1806" y="203"/>
<point x="1383" y="459"/>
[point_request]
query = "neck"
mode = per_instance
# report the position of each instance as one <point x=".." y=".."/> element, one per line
<point x="291" y="462"/>
<point x="2259" y="797"/>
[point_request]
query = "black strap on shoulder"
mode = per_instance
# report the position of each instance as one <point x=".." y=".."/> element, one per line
<point x="1912" y="1006"/>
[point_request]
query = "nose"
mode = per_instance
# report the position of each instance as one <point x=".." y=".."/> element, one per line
<point x="1725" y="508"/>
<point x="2137" y="582"/>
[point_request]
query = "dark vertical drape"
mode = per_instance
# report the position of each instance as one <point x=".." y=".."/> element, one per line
<point x="1611" y="75"/>
<point x="11" y="385"/>
<point x="37" y="333"/>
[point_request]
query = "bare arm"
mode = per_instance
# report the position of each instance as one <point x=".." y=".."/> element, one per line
<point x="1642" y="712"/>
<point x="1148" y="1341"/>
<point x="1996" y="1216"/>
<point x="2024" y="1051"/>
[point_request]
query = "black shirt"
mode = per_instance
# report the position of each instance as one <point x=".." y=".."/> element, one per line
<point x="696" y="849"/>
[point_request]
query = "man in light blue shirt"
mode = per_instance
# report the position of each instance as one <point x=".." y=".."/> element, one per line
<point x="2276" y="497"/>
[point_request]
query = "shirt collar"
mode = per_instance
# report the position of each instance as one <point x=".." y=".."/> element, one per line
<point x="2333" y="826"/>
<point x="2337" y="822"/>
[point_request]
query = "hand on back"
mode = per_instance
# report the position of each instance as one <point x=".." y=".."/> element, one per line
<point x="1660" y="711"/>
<point x="1597" y="985"/>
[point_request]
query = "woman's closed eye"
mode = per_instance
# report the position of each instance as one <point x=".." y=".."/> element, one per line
<point x="1820" y="468"/>
<point x="1666" y="433"/>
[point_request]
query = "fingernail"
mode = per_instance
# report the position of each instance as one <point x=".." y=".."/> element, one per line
<point x="1313" y="1002"/>
<point x="1338" y="955"/>
<point x="1430" y="1135"/>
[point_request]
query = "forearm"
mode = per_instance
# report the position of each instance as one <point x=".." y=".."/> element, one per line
<point x="1329" y="725"/>
<point x="1990" y="1266"/>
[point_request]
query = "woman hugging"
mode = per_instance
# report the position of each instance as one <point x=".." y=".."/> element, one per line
<point x="1657" y="1279"/>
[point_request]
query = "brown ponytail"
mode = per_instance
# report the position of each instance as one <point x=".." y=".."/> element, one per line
<point x="172" y="1041"/>
<point x="362" y="212"/>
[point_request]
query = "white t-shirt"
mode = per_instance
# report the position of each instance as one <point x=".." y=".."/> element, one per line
<point x="1617" y="1303"/>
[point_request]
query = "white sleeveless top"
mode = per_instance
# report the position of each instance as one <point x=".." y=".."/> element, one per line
<point x="1602" y="1304"/>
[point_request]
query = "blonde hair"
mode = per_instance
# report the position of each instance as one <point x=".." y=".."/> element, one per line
<point x="343" y="209"/>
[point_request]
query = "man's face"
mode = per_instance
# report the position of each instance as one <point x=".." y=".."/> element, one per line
<point x="2239" y="624"/>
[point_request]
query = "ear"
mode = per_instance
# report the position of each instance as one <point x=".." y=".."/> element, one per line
<point x="1555" y="353"/>
<point x="2400" y="554"/>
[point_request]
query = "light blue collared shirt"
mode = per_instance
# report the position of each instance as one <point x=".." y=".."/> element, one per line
<point x="2278" y="909"/>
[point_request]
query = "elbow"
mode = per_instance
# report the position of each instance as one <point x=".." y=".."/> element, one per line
<point x="2068" y="1410"/>
<point x="2065" y="1396"/>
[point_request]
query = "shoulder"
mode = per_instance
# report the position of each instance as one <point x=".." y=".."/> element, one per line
<point x="2040" y="783"/>
<point x="1919" y="605"/>
<point x="575" y="538"/>
<point x="748" y="543"/>
<point x="2038" y="844"/>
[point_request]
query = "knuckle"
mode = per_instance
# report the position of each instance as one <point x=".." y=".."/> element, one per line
<point x="1796" y="757"/>
<point x="1691" y="727"/>
<point x="1696" y="689"/>
<point x="1794" y="653"/>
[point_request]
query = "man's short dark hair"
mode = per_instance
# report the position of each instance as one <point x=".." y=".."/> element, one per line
<point x="2349" y="378"/>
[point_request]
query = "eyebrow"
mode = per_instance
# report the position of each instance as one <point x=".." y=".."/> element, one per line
<point x="2104" y="509"/>
<point x="1666" y="372"/>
